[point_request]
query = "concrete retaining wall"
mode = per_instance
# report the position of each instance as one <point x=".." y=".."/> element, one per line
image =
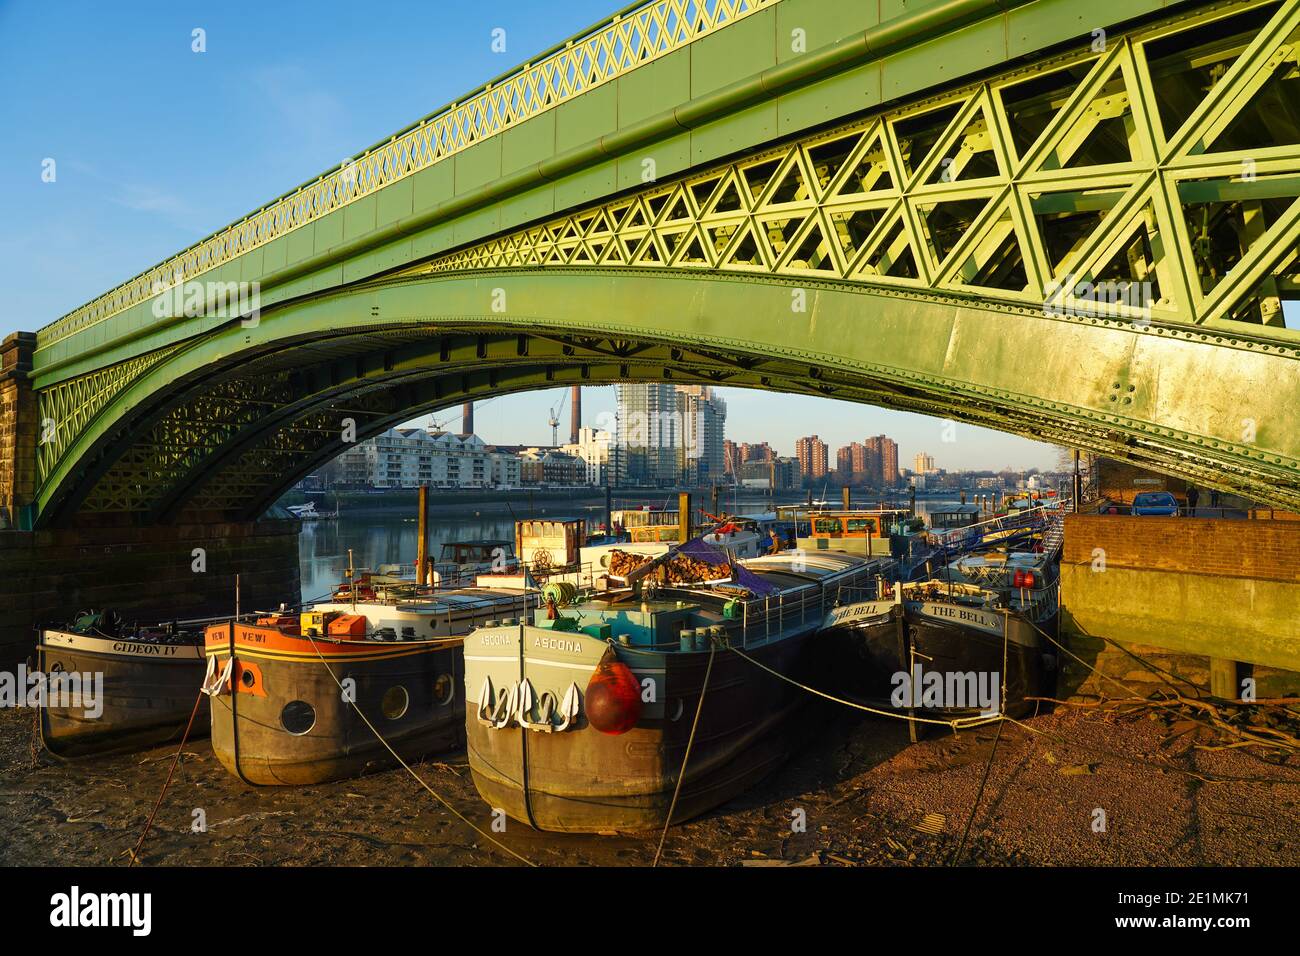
<point x="1182" y="593"/>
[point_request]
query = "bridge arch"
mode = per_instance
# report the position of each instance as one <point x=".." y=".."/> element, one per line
<point x="216" y="429"/>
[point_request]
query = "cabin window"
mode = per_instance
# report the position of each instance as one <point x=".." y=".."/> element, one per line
<point x="298" y="717"/>
<point x="862" y="525"/>
<point x="444" y="689"/>
<point x="395" y="702"/>
<point x="828" y="526"/>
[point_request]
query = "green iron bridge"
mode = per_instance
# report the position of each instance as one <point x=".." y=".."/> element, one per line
<point x="1071" y="221"/>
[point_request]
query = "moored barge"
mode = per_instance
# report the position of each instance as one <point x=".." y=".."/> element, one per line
<point x="975" y="640"/>
<point x="149" y="684"/>
<point x="308" y="696"/>
<point x="578" y="719"/>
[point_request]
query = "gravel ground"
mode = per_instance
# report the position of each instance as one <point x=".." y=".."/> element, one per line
<point x="860" y="788"/>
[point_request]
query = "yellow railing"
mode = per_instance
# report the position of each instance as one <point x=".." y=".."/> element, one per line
<point x="633" y="37"/>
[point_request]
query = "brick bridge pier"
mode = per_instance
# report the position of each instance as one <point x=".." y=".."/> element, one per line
<point x="147" y="574"/>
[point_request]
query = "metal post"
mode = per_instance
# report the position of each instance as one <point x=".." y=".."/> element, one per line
<point x="905" y="660"/>
<point x="1078" y="483"/>
<point x="422" y="539"/>
<point x="845" y="496"/>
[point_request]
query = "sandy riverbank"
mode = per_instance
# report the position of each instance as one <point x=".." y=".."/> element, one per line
<point x="861" y="786"/>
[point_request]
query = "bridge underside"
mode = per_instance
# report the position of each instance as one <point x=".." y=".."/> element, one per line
<point x="219" y="430"/>
<point x="1091" y="250"/>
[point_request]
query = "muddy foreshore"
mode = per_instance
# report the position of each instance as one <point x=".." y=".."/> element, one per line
<point x="862" y="788"/>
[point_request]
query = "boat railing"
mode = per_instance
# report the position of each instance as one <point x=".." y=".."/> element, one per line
<point x="1025" y="519"/>
<point x="799" y="607"/>
<point x="853" y="594"/>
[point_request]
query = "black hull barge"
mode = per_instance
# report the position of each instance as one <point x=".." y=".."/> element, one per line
<point x="149" y="683"/>
<point x="579" y="720"/>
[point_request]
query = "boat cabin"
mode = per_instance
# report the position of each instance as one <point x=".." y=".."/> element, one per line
<point x="854" y="532"/>
<point x="477" y="552"/>
<point x="544" y="544"/>
<point x="949" y="517"/>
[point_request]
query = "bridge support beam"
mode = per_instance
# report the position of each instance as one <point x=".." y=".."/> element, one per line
<point x="1186" y="605"/>
<point x="145" y="574"/>
<point x="19" y="428"/>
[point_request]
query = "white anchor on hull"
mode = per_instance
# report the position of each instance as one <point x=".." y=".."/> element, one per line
<point x="497" y="708"/>
<point x="213" y="689"/>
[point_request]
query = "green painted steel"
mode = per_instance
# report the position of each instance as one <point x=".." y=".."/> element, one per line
<point x="946" y="209"/>
<point x="407" y="346"/>
<point x="716" y="96"/>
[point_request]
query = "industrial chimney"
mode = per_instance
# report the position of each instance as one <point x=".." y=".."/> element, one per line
<point x="467" y="418"/>
<point x="575" y="422"/>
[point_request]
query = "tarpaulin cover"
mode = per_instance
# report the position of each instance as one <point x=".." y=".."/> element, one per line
<point x="701" y="550"/>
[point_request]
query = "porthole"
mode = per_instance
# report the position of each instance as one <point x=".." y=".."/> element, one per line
<point x="246" y="678"/>
<point x="298" y="717"/>
<point x="444" y="689"/>
<point x="394" y="702"/>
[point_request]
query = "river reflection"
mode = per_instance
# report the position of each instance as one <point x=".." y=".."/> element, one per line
<point x="391" y="538"/>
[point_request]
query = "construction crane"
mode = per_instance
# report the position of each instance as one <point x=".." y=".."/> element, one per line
<point x="554" y="420"/>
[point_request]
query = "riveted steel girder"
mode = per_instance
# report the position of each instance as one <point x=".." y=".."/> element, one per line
<point x="1107" y="385"/>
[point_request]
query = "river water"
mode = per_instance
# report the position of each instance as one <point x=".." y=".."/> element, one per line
<point x="389" y="537"/>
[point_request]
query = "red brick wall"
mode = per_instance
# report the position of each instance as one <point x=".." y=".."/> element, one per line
<point x="1273" y="514"/>
<point x="1116" y="481"/>
<point x="1265" y="548"/>
<point x="145" y="573"/>
<point x="17" y="425"/>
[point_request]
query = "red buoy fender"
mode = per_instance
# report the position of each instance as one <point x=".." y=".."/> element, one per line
<point x="613" y="698"/>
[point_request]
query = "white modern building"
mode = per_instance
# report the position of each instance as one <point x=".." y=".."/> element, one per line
<point x="669" y="435"/>
<point x="593" y="447"/>
<point x="410" y="457"/>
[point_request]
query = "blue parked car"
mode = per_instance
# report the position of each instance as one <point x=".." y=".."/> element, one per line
<point x="1160" y="503"/>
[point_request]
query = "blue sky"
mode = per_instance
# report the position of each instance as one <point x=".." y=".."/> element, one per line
<point x="157" y="146"/>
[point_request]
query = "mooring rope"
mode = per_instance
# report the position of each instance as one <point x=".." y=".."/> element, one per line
<point x="405" y="766"/>
<point x="954" y="724"/>
<point x="166" y="783"/>
<point x="681" y="776"/>
<point x="979" y="795"/>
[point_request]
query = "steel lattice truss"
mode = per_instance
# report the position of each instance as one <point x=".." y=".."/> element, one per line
<point x="581" y="64"/>
<point x="227" y="447"/>
<point x="1155" y="181"/>
<point x="69" y="406"/>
